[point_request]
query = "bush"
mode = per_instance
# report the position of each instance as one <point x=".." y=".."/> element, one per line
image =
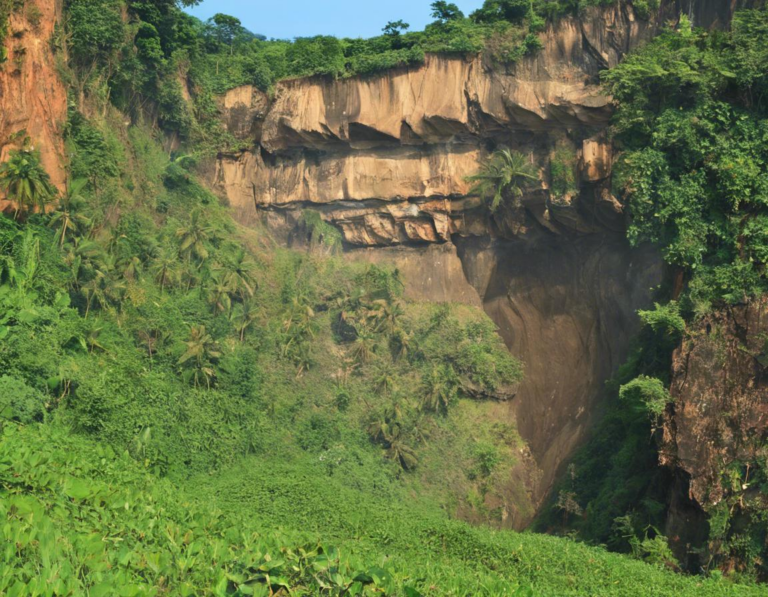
<point x="648" y="393"/>
<point x="19" y="402"/>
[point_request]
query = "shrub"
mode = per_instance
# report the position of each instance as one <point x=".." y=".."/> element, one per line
<point x="647" y="392"/>
<point x="19" y="402"/>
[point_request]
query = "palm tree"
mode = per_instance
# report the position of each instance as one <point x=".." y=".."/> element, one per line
<point x="94" y="292"/>
<point x="385" y="315"/>
<point x="238" y="274"/>
<point x="244" y="315"/>
<point x="201" y="350"/>
<point x="165" y="269"/>
<point x="219" y="294"/>
<point x="25" y="181"/>
<point x="193" y="237"/>
<point x="399" y="451"/>
<point x="132" y="268"/>
<point x="390" y="435"/>
<point x="81" y="257"/>
<point x="505" y="173"/>
<point x="401" y="344"/>
<point x="68" y="217"/>
<point x="152" y="339"/>
<point x="385" y="380"/>
<point x="364" y="347"/>
<point x="438" y="389"/>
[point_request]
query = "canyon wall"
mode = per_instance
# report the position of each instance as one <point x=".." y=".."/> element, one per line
<point x="385" y="160"/>
<point x="33" y="100"/>
<point x="714" y="434"/>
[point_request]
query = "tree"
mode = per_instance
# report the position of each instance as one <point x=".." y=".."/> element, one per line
<point x="226" y="29"/>
<point x="237" y="271"/>
<point x="498" y="10"/>
<point x="201" y="350"/>
<point x="25" y="181"/>
<point x="506" y="173"/>
<point x="152" y="339"/>
<point x="393" y="28"/>
<point x="244" y="315"/>
<point x="446" y="11"/>
<point x="389" y="433"/>
<point x="194" y="237"/>
<point x="69" y="217"/>
<point x="438" y="389"/>
<point x="165" y="268"/>
<point x="219" y="294"/>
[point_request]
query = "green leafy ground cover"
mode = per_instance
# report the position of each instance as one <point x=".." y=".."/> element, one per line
<point x="80" y="518"/>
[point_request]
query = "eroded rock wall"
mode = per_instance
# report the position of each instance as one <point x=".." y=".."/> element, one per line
<point x="33" y="100"/>
<point x="720" y="387"/>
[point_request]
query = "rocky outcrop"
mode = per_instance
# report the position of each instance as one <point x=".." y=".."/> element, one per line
<point x="720" y="413"/>
<point x="33" y="100"/>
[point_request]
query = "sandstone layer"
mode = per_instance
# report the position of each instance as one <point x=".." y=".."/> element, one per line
<point x="33" y="100"/>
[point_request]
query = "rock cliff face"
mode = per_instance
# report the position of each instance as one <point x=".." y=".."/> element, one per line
<point x="385" y="159"/>
<point x="720" y="386"/>
<point x="33" y="100"/>
<point x="714" y="435"/>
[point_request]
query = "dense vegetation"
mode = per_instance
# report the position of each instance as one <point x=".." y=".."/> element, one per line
<point x="187" y="409"/>
<point x="160" y="50"/>
<point x="692" y="123"/>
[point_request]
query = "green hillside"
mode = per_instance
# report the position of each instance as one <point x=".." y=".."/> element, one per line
<point x="188" y="409"/>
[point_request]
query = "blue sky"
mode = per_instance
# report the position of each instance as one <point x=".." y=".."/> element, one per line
<point x="345" y="18"/>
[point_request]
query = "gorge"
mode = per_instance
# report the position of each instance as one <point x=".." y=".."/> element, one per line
<point x="263" y="333"/>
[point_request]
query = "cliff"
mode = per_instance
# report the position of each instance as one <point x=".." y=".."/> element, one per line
<point x="385" y="160"/>
<point x="33" y="100"/>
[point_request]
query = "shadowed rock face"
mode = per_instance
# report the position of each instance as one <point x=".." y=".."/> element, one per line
<point x="720" y="386"/>
<point x="32" y="97"/>
<point x="385" y="159"/>
<point x="567" y="308"/>
<point x="719" y="420"/>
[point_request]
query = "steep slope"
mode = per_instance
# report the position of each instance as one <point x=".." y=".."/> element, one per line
<point x="714" y="435"/>
<point x="33" y="100"/>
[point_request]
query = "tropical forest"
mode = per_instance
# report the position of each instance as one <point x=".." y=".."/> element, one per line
<point x="475" y="308"/>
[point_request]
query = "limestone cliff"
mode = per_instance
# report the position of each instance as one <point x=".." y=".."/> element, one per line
<point x="385" y="159"/>
<point x="33" y="100"/>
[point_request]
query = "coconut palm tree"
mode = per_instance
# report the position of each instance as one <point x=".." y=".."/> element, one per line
<point x="201" y="350"/>
<point x="364" y="347"/>
<point x="220" y="293"/>
<point x="81" y="257"/>
<point x="244" y="315"/>
<point x="194" y="237"/>
<point x="389" y="433"/>
<point x="152" y="339"/>
<point x="238" y="274"/>
<point x="505" y="173"/>
<point x="25" y="181"/>
<point x="165" y="268"/>
<point x="69" y="217"/>
<point x="438" y="389"/>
